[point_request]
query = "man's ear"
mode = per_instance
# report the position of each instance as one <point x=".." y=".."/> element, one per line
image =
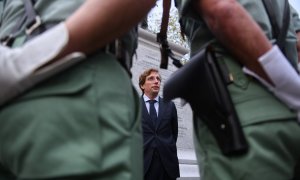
<point x="142" y="87"/>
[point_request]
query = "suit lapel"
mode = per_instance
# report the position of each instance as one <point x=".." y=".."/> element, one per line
<point x="160" y="112"/>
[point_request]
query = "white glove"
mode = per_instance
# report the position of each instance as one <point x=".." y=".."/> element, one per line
<point x="283" y="75"/>
<point x="23" y="67"/>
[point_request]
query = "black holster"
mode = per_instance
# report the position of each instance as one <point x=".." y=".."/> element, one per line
<point x="202" y="84"/>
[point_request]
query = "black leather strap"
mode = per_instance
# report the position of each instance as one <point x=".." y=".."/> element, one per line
<point x="278" y="33"/>
<point x="162" y="39"/>
<point x="29" y="13"/>
<point x="285" y="26"/>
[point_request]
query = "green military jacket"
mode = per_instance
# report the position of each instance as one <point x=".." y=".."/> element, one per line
<point x="253" y="102"/>
<point x="79" y="123"/>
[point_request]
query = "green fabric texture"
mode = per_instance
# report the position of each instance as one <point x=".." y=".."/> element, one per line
<point x="50" y="11"/>
<point x="296" y="19"/>
<point x="252" y="101"/>
<point x="269" y="125"/>
<point x="83" y="123"/>
<point x="261" y="162"/>
<point x="199" y="34"/>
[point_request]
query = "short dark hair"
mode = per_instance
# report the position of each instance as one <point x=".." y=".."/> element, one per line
<point x="143" y="76"/>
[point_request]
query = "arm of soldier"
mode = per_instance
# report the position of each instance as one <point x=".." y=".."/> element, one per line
<point x="88" y="29"/>
<point x="227" y="19"/>
<point x="98" y="22"/>
<point x="283" y="75"/>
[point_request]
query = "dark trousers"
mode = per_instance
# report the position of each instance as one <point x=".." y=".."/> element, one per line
<point x="156" y="170"/>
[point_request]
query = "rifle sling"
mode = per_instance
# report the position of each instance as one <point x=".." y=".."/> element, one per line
<point x="278" y="33"/>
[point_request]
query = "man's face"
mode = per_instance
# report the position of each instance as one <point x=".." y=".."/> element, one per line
<point x="152" y="85"/>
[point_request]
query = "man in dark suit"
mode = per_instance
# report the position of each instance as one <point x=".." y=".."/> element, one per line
<point x="160" y="130"/>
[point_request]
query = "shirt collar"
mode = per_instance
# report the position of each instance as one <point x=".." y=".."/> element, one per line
<point x="146" y="98"/>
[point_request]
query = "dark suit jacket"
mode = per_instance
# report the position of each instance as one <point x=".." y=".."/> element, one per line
<point x="161" y="136"/>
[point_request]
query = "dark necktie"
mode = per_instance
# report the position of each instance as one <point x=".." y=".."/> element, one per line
<point x="152" y="110"/>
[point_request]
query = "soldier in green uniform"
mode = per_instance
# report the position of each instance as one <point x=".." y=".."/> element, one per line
<point x="82" y="122"/>
<point x="242" y="33"/>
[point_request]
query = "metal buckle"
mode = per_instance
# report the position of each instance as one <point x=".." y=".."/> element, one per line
<point x="35" y="25"/>
<point x="6" y="41"/>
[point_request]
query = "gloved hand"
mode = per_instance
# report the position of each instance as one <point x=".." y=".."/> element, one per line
<point x="283" y="75"/>
<point x="21" y="68"/>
